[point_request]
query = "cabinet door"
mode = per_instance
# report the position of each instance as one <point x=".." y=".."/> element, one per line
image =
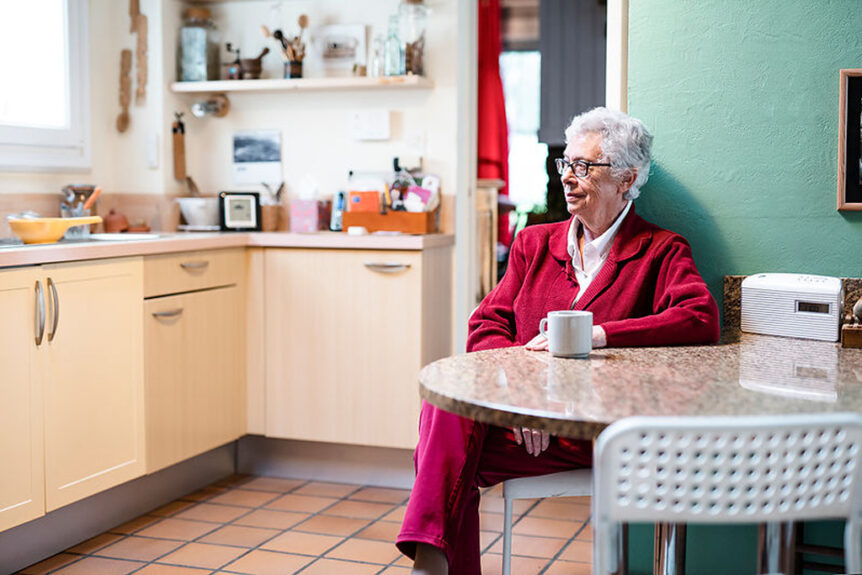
<point x="343" y="346"/>
<point x="195" y="384"/>
<point x="22" y="488"/>
<point x="93" y="385"/>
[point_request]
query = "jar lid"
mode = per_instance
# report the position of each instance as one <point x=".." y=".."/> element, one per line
<point x="198" y="13"/>
<point x="414" y="1"/>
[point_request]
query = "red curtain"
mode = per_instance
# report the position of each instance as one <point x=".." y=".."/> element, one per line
<point x="493" y="131"/>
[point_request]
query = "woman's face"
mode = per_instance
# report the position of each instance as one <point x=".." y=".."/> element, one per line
<point x="597" y="198"/>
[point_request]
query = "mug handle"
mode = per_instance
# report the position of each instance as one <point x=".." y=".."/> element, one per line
<point x="543" y="326"/>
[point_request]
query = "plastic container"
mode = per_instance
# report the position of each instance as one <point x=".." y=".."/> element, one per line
<point x="198" y="54"/>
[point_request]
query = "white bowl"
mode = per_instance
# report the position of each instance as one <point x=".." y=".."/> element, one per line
<point x="199" y="211"/>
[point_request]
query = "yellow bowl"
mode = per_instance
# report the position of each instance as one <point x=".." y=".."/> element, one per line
<point x="46" y="230"/>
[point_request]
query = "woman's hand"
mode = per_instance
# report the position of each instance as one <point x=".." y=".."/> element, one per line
<point x="540" y="342"/>
<point x="535" y="440"/>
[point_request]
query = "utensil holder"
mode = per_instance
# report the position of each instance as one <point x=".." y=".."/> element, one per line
<point x="75" y="232"/>
<point x="293" y="69"/>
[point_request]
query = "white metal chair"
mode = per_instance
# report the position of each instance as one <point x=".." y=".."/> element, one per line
<point x="572" y="483"/>
<point x="753" y="469"/>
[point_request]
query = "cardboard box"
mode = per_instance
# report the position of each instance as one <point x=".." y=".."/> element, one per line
<point x="309" y="215"/>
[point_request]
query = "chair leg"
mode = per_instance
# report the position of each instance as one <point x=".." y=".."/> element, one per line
<point x="507" y="536"/>
<point x="669" y="556"/>
<point x="853" y="546"/>
<point x="777" y="548"/>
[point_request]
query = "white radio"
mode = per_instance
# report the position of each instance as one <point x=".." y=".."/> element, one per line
<point x="792" y="305"/>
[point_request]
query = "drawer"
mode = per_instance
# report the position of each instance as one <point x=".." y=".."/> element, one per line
<point x="188" y="271"/>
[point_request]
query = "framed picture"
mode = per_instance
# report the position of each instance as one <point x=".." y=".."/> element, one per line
<point x="239" y="211"/>
<point x="850" y="140"/>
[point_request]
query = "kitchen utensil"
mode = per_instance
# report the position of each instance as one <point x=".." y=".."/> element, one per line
<point x="46" y="230"/>
<point x="92" y="199"/>
<point x="115" y="222"/>
<point x="193" y="187"/>
<point x="251" y="68"/>
<point x="178" y="129"/>
<point x="215" y="105"/>
<point x="569" y="332"/>
<point x="141" y="30"/>
<point x="199" y="211"/>
<point x="76" y="194"/>
<point x="125" y="90"/>
<point x="134" y="11"/>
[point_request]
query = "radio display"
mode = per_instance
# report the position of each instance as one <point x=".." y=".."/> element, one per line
<point x="812" y="307"/>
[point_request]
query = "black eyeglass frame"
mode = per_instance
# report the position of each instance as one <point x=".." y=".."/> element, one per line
<point x="562" y="164"/>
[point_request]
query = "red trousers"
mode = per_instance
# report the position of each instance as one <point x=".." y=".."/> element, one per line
<point x="455" y="456"/>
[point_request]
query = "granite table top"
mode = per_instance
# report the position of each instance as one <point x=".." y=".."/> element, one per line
<point x="745" y="374"/>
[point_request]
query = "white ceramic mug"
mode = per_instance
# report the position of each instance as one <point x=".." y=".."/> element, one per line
<point x="569" y="332"/>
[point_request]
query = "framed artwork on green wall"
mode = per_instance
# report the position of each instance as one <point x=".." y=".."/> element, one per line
<point x="850" y="140"/>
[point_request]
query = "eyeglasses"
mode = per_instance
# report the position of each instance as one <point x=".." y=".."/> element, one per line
<point x="579" y="167"/>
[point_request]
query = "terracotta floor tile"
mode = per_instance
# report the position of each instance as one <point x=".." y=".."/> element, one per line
<point x="495" y="505"/>
<point x="336" y="567"/>
<point x="366" y="551"/>
<point x="302" y="543"/>
<point x="492" y="564"/>
<point x="545" y="527"/>
<point x="177" y="529"/>
<point x="486" y="538"/>
<point x="395" y="570"/>
<point x="569" y="568"/>
<point x="586" y="533"/>
<point x="211" y="512"/>
<point x="359" y="509"/>
<point x="96" y="542"/>
<point x="204" y="494"/>
<point x="300" y="503"/>
<point x="259" y="562"/>
<point x="582" y="500"/>
<point x="203" y="555"/>
<point x="50" y="564"/>
<point x="396" y="515"/>
<point x="273" y="484"/>
<point x="271" y="519"/>
<point x="234" y="480"/>
<point x="135" y="524"/>
<point x="138" y="548"/>
<point x="579" y="551"/>
<point x="491" y="522"/>
<point x="558" y="509"/>
<point x="239" y="536"/>
<point x="529" y="546"/>
<point x="326" y="489"/>
<point x="381" y="495"/>
<point x="156" y="569"/>
<point x="331" y="525"/>
<point x="381" y="531"/>
<point x="404" y="561"/>
<point x="171" y="508"/>
<point x="244" y="498"/>
<point x="100" y="566"/>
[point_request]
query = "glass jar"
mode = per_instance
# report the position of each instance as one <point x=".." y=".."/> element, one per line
<point x="413" y="19"/>
<point x="393" y="58"/>
<point x="198" y="52"/>
<point x="377" y="69"/>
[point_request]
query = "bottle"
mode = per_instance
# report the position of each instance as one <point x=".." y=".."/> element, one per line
<point x="394" y="53"/>
<point x="412" y="21"/>
<point x="198" y="51"/>
<point x="377" y="69"/>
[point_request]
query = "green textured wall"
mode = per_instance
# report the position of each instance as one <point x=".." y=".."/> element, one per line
<point x="742" y="97"/>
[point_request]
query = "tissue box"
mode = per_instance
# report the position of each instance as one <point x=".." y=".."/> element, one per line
<point x="309" y="215"/>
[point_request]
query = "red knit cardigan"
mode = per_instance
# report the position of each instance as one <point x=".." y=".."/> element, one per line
<point x="647" y="293"/>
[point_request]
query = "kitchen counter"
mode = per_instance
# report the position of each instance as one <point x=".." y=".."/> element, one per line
<point x="745" y="374"/>
<point x="21" y="255"/>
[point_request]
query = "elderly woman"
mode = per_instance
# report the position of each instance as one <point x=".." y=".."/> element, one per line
<point x="637" y="279"/>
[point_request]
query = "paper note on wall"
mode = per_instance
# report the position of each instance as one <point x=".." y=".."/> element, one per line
<point x="257" y="157"/>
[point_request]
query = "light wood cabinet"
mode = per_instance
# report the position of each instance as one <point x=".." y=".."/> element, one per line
<point x="93" y="378"/>
<point x="71" y="410"/>
<point x="346" y="332"/>
<point x="195" y="384"/>
<point x="22" y="486"/>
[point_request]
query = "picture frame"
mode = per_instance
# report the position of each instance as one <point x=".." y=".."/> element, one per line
<point x="239" y="211"/>
<point x="850" y="140"/>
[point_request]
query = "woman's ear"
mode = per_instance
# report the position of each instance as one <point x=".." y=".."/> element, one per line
<point x="628" y="180"/>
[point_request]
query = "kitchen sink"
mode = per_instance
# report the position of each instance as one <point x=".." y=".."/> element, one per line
<point x="130" y="237"/>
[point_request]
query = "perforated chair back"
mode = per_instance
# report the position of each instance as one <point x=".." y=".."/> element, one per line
<point x="726" y="470"/>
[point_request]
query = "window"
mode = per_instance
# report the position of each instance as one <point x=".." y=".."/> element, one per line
<point x="44" y="95"/>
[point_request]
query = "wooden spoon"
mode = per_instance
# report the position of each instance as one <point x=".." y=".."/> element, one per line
<point x="125" y="90"/>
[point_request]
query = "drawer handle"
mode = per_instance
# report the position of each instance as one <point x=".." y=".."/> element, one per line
<point x="194" y="265"/>
<point x="40" y="313"/>
<point x="166" y="314"/>
<point x="55" y="309"/>
<point x="387" y="267"/>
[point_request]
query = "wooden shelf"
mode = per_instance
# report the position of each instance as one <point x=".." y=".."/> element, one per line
<point x="304" y="84"/>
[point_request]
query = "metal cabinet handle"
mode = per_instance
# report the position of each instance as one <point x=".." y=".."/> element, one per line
<point x="387" y="267"/>
<point x="194" y="265"/>
<point x="170" y="313"/>
<point x="40" y="313"/>
<point x="55" y="309"/>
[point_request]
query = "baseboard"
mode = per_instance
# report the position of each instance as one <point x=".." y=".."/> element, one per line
<point x="52" y="533"/>
<point x="378" y="466"/>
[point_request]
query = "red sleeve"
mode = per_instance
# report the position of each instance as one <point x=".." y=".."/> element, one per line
<point x="492" y="324"/>
<point x="684" y="312"/>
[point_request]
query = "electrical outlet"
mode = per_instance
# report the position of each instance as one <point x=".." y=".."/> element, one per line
<point x="414" y="140"/>
<point x="152" y="151"/>
<point x="370" y="125"/>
